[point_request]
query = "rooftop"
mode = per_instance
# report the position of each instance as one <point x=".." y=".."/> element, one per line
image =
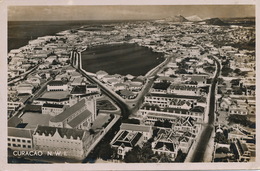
<point x="74" y="133"/>
<point x="34" y="119"/>
<point x="92" y="86"/>
<point x="127" y="139"/>
<point x="202" y="99"/>
<point x="69" y="111"/>
<point x="55" y="94"/>
<point x="18" y="132"/>
<point x="80" y="118"/>
<point x="52" y="105"/>
<point x="135" y="127"/>
<point x="79" y="89"/>
<point x="14" y="121"/>
<point x="56" y="83"/>
<point x="199" y="109"/>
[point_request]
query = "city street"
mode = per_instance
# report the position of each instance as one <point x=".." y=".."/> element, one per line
<point x="204" y="139"/>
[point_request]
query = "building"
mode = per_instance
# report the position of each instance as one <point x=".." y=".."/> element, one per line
<point x="52" y="109"/>
<point x="101" y="74"/>
<point x="78" y="116"/>
<point x="71" y="143"/>
<point x="25" y="89"/>
<point x="59" y="101"/>
<point x="91" y="88"/>
<point x="199" y="78"/>
<point x="167" y="143"/>
<point x="126" y="94"/>
<point x="237" y="110"/>
<point x="77" y="81"/>
<point x="20" y="139"/>
<point x="129" y="136"/>
<point x="144" y="129"/>
<point x="151" y="114"/>
<point x="57" y="86"/>
<point x="32" y="120"/>
<point x="240" y="150"/>
<point x="183" y="89"/>
<point x="225" y="103"/>
<point x="186" y="124"/>
<point x="164" y="100"/>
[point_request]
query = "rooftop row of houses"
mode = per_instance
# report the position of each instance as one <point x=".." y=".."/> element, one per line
<point x="166" y="141"/>
<point x="65" y="131"/>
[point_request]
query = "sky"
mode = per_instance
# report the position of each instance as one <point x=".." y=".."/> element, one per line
<point x="125" y="12"/>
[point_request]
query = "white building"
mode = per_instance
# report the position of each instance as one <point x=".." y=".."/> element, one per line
<point x="78" y="116"/>
<point x="20" y="139"/>
<point x="52" y="109"/>
<point x="57" y="86"/>
<point x="129" y="136"/>
<point x="71" y="143"/>
<point x="25" y="89"/>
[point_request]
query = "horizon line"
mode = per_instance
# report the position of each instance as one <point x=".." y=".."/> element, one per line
<point x="130" y="19"/>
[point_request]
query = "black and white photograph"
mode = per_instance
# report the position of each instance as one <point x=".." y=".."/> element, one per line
<point x="164" y="84"/>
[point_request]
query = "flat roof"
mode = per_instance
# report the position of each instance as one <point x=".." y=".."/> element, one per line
<point x="14" y="121"/>
<point x="20" y="132"/>
<point x="175" y="96"/>
<point x="55" y="94"/>
<point x="135" y="127"/>
<point x="34" y="119"/>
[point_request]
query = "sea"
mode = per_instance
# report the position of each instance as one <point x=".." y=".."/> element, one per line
<point x="20" y="32"/>
<point x="125" y="59"/>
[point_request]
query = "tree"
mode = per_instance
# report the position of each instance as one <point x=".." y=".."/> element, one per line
<point x="180" y="156"/>
<point x="105" y="151"/>
<point x="220" y="80"/>
<point x="226" y="71"/>
<point x="133" y="155"/>
<point x="158" y="123"/>
<point x="55" y="62"/>
<point x="68" y="61"/>
<point x="240" y="119"/>
<point x="222" y="150"/>
<point x="91" y="131"/>
<point x="237" y="71"/>
<point x="167" y="124"/>
<point x="220" y="138"/>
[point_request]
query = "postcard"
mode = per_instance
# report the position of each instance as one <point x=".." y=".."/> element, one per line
<point x="120" y="85"/>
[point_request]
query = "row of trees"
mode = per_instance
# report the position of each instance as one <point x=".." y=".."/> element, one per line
<point x="241" y="119"/>
<point x="145" y="155"/>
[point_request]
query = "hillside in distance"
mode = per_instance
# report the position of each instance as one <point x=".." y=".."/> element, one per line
<point x="245" y="21"/>
<point x="215" y="21"/>
<point x="176" y="18"/>
<point x="194" y="18"/>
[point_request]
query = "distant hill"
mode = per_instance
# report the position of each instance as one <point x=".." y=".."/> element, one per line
<point x="194" y="18"/>
<point x="245" y="21"/>
<point x="215" y="21"/>
<point x="177" y="18"/>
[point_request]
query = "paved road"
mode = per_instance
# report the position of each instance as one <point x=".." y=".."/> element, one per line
<point x="125" y="112"/>
<point x="205" y="136"/>
<point x="23" y="75"/>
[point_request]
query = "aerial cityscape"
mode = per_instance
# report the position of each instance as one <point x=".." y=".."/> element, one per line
<point x="175" y="89"/>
